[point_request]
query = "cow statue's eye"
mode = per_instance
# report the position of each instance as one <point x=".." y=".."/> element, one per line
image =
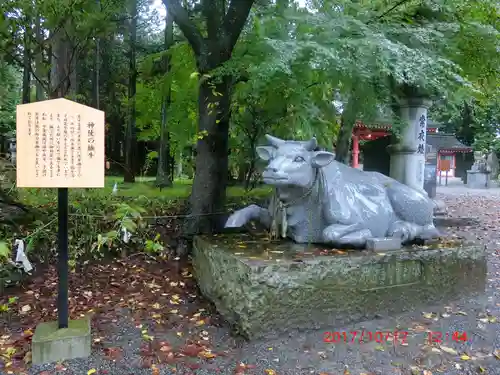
<point x="299" y="159"/>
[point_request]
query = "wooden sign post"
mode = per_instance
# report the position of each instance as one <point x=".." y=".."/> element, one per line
<point x="444" y="166"/>
<point x="60" y="144"/>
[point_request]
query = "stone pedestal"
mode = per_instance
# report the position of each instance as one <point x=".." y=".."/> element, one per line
<point x="51" y="344"/>
<point x="408" y="155"/>
<point x="478" y="180"/>
<point x="265" y="288"/>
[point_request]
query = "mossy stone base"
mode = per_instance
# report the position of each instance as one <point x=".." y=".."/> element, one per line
<point x="51" y="344"/>
<point x="265" y="288"/>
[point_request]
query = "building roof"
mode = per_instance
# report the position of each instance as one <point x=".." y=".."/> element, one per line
<point x="446" y="142"/>
<point x="379" y="125"/>
<point x="386" y="125"/>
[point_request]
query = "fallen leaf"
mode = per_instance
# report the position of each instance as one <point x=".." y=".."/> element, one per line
<point x="270" y="372"/>
<point x="426" y="372"/>
<point x="27" y="358"/>
<point x="91" y="371"/>
<point x="448" y="350"/>
<point x="207" y="354"/>
<point x="28" y="333"/>
<point x="496" y="353"/>
<point x="113" y="353"/>
<point x="464" y="357"/>
<point x="25" y="308"/>
<point x="166" y="348"/>
<point x="192" y="350"/>
<point x="481" y="369"/>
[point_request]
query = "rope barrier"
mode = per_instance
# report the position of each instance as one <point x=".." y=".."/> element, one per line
<point x="154" y="217"/>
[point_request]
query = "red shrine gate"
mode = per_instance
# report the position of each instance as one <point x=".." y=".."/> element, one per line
<point x="361" y="132"/>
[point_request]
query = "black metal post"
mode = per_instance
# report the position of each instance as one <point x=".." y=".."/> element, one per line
<point x="62" y="266"/>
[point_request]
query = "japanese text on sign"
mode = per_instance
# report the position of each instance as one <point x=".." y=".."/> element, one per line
<point x="50" y="139"/>
<point x="422" y="121"/>
<point x="91" y="143"/>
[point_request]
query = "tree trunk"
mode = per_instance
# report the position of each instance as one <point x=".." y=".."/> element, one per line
<point x="130" y="134"/>
<point x="73" y="77"/>
<point x="179" y="169"/>
<point x="26" y="65"/>
<point x="60" y="66"/>
<point x="116" y="134"/>
<point x="347" y="121"/>
<point x="96" y="82"/>
<point x="344" y="140"/>
<point x="211" y="177"/>
<point x="164" y="171"/>
<point x="211" y="51"/>
<point x="40" y="92"/>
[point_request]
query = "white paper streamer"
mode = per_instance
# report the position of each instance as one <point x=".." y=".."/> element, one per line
<point x="126" y="235"/>
<point x="115" y="189"/>
<point x="21" y="256"/>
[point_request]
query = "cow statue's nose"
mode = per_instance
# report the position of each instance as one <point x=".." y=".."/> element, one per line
<point x="270" y="169"/>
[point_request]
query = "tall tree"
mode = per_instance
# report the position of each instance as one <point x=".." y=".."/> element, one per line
<point x="223" y="28"/>
<point x="27" y="61"/>
<point x="164" y="172"/>
<point x="130" y="133"/>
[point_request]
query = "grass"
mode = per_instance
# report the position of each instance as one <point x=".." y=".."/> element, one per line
<point x="143" y="187"/>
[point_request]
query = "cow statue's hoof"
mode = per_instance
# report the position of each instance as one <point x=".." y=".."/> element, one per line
<point x="243" y="216"/>
<point x="337" y="236"/>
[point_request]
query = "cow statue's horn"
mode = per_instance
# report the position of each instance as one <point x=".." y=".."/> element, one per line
<point x="311" y="144"/>
<point x="274" y="141"/>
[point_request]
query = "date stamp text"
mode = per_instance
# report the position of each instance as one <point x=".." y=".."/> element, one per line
<point x="362" y="336"/>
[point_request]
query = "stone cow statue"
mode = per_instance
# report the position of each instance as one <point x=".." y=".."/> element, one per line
<point x="319" y="200"/>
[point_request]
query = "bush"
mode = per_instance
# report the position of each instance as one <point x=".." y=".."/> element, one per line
<point x="99" y="222"/>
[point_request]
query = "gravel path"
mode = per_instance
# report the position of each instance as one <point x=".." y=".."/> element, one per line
<point x="306" y="353"/>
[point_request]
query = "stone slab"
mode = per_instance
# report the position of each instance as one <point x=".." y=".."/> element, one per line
<point x="263" y="288"/>
<point x="477" y="180"/>
<point x="383" y="244"/>
<point x="51" y="344"/>
<point x="439" y="207"/>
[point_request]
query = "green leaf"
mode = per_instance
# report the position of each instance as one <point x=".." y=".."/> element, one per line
<point x="4" y="250"/>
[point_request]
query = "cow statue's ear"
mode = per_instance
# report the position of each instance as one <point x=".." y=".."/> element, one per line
<point x="322" y="158"/>
<point x="265" y="152"/>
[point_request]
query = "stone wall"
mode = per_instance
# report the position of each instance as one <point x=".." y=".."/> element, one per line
<point x="262" y="289"/>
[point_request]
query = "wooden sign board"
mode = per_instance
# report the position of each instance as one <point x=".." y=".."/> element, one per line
<point x="444" y="165"/>
<point x="60" y="144"/>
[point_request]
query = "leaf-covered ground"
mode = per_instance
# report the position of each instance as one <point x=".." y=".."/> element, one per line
<point x="148" y="318"/>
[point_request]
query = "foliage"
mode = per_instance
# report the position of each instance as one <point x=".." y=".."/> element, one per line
<point x="97" y="222"/>
<point x="290" y="66"/>
<point x="9" y="96"/>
